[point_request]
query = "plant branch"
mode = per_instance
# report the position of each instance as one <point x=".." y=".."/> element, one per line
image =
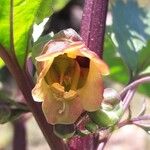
<point x="135" y="83"/>
<point x="26" y="85"/>
<point x="128" y="98"/>
<point x="92" y="33"/>
<point x="140" y="118"/>
<point x="19" y="140"/>
<point x="93" y="24"/>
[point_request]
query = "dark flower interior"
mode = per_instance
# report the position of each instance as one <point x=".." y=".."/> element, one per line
<point x="68" y="72"/>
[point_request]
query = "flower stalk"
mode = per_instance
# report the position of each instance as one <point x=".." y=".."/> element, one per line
<point x="19" y="140"/>
<point x="93" y="24"/>
<point x="92" y="33"/>
<point x="21" y="78"/>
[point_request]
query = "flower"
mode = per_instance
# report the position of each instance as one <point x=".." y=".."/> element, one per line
<point x="69" y="78"/>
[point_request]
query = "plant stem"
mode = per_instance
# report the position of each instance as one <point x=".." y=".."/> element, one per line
<point x="93" y="24"/>
<point x="135" y="83"/>
<point x="25" y="84"/>
<point x="92" y="33"/>
<point x="140" y="118"/>
<point x="128" y="98"/>
<point x="19" y="140"/>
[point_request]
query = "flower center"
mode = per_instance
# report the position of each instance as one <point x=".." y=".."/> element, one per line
<point x="65" y="76"/>
<point x="60" y="94"/>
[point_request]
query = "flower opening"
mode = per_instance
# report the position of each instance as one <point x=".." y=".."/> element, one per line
<point x="69" y="79"/>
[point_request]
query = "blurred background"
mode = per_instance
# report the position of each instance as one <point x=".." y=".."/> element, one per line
<point x="68" y="14"/>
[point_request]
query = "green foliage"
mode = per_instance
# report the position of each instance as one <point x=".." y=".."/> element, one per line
<point x="44" y="10"/>
<point x="118" y="70"/>
<point x="59" y="4"/>
<point x="9" y="109"/>
<point x="18" y="19"/>
<point x="131" y="31"/>
<point x="1" y="63"/>
<point x="107" y="116"/>
<point x="144" y="58"/>
<point x="38" y="45"/>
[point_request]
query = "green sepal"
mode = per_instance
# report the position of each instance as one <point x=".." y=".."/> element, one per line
<point x="64" y="131"/>
<point x="105" y="116"/>
<point x="91" y="126"/>
<point x="82" y="133"/>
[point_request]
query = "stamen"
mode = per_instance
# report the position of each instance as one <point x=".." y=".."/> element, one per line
<point x="70" y="95"/>
<point x="57" y="89"/>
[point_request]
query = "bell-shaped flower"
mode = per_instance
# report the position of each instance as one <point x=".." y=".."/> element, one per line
<point x="69" y="78"/>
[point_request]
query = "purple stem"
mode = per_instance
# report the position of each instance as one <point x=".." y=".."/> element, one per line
<point x="134" y="84"/>
<point x="93" y="24"/>
<point x="92" y="33"/>
<point x="128" y="98"/>
<point x="145" y="117"/>
<point x="102" y="145"/>
<point x="135" y="121"/>
<point x="26" y="85"/>
<point x="19" y="140"/>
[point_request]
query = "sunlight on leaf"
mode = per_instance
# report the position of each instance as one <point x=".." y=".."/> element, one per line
<point x="25" y="13"/>
<point x="143" y="58"/>
<point x="118" y="70"/>
<point x="132" y="30"/>
<point x="59" y="4"/>
<point x="1" y="63"/>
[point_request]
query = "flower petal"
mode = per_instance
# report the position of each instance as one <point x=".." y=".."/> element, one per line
<point x="40" y="91"/>
<point x="51" y="108"/>
<point x="91" y="93"/>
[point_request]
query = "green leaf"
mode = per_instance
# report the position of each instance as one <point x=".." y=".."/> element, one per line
<point x="59" y="4"/>
<point x="44" y="10"/>
<point x="25" y="13"/>
<point x="130" y="30"/>
<point x="38" y="45"/>
<point x="143" y="58"/>
<point x="118" y="70"/>
<point x="1" y="63"/>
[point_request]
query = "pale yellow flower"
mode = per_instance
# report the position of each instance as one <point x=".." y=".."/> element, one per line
<point x="69" y="79"/>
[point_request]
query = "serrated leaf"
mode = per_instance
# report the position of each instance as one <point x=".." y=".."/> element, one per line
<point x="24" y="14"/>
<point x="131" y="30"/>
